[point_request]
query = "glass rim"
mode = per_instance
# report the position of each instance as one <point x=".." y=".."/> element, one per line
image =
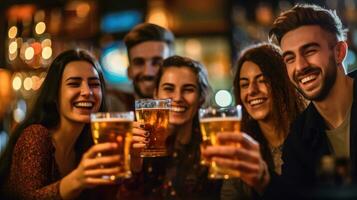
<point x="152" y="99"/>
<point x="214" y="110"/>
<point x="127" y="115"/>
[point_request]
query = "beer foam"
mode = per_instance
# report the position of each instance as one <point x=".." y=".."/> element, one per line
<point x="219" y="119"/>
<point x="111" y="120"/>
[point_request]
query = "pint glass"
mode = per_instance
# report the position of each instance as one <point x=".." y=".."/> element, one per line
<point x="212" y="121"/>
<point x="154" y="114"/>
<point x="114" y="127"/>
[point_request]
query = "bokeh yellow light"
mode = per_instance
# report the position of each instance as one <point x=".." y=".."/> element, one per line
<point x="28" y="83"/>
<point x="12" y="47"/>
<point x="12" y="32"/>
<point x="40" y="28"/>
<point x="46" y="43"/>
<point x="46" y="53"/>
<point x="29" y="53"/>
<point x="16" y="83"/>
<point x="82" y="9"/>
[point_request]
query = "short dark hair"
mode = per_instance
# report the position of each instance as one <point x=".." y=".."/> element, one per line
<point x="148" y="32"/>
<point x="287" y="103"/>
<point x="197" y="67"/>
<point x="306" y="14"/>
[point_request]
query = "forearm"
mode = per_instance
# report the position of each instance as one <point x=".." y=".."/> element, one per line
<point x="70" y="187"/>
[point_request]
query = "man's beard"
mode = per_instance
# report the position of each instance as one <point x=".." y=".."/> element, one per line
<point x="137" y="89"/>
<point x="327" y="81"/>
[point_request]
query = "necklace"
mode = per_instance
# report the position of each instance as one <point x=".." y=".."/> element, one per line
<point x="276" y="153"/>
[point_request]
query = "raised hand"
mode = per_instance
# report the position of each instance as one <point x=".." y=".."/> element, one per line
<point x="91" y="170"/>
<point x="245" y="158"/>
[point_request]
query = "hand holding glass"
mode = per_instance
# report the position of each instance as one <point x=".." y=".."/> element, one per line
<point x="213" y="121"/>
<point x="154" y="114"/>
<point x="116" y="128"/>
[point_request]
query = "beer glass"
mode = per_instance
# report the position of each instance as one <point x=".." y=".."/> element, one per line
<point x="212" y="121"/>
<point x="114" y="127"/>
<point x="154" y="114"/>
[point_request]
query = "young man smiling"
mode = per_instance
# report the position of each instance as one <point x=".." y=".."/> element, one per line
<point x="147" y="45"/>
<point x="312" y="40"/>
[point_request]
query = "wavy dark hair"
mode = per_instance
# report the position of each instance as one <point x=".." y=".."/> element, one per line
<point x="45" y="110"/>
<point x="287" y="102"/>
<point x="305" y="14"/>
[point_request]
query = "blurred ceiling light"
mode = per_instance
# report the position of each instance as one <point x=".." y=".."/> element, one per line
<point x="82" y="9"/>
<point x="12" y="47"/>
<point x="16" y="83"/>
<point x="46" y="43"/>
<point x="223" y="98"/>
<point x="18" y="115"/>
<point x="264" y="14"/>
<point x="46" y="53"/>
<point x="157" y="13"/>
<point x="40" y="28"/>
<point x="12" y="32"/>
<point x="35" y="82"/>
<point x="29" y="53"/>
<point x="22" y="12"/>
<point x="28" y="83"/>
<point x="193" y="48"/>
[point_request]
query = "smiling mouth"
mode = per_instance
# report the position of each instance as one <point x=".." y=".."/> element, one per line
<point x="256" y="102"/>
<point x="308" y="79"/>
<point x="178" y="109"/>
<point x="86" y="105"/>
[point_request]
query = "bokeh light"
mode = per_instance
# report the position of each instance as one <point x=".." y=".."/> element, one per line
<point x="223" y="98"/>
<point x="16" y="83"/>
<point x="29" y="53"/>
<point x="28" y="83"/>
<point x="40" y="28"/>
<point x="12" y="32"/>
<point x="12" y="47"/>
<point x="46" y="53"/>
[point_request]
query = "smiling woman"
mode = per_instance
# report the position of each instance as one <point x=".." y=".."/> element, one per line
<point x="270" y="103"/>
<point x="49" y="155"/>
<point x="180" y="175"/>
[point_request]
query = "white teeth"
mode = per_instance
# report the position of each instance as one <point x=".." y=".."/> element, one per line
<point x="177" y="109"/>
<point x="306" y="79"/>
<point x="84" y="104"/>
<point x="256" y="101"/>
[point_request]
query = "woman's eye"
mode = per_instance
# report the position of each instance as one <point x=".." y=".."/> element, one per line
<point x="73" y="84"/>
<point x="244" y="85"/>
<point x="167" y="88"/>
<point x="94" y="84"/>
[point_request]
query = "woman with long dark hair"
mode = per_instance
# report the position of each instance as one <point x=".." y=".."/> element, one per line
<point x="50" y="154"/>
<point x="270" y="103"/>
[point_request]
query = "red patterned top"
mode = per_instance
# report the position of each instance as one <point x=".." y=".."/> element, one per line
<point x="34" y="173"/>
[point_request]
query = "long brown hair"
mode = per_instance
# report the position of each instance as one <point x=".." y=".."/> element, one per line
<point x="287" y="103"/>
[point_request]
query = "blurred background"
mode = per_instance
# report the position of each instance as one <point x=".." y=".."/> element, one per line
<point x="33" y="32"/>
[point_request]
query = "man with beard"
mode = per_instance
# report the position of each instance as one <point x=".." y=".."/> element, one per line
<point x="147" y="45"/>
<point x="313" y="46"/>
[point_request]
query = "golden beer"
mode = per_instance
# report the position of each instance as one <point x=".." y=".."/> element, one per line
<point x="118" y="130"/>
<point x="213" y="121"/>
<point x="156" y="122"/>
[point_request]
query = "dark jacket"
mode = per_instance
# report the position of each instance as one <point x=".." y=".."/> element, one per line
<point x="302" y="153"/>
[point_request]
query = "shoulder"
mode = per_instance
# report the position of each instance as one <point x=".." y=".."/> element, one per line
<point x="34" y="135"/>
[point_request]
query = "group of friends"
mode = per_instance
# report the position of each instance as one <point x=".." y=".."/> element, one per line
<point x="298" y="106"/>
